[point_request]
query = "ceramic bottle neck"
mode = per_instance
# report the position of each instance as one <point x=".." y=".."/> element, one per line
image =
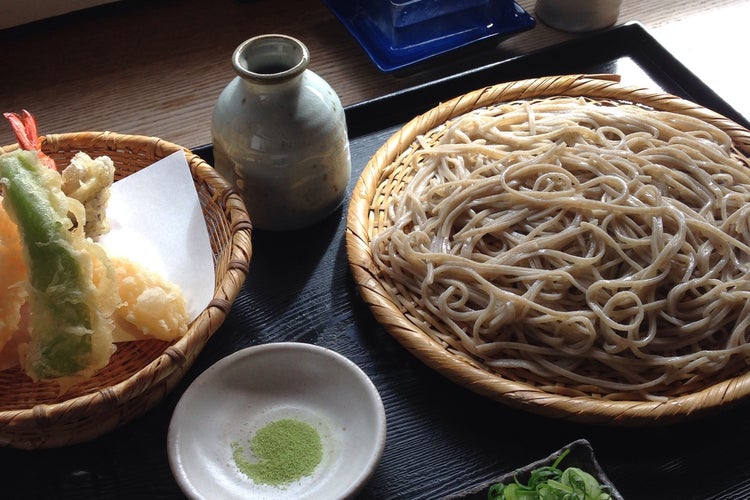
<point x="285" y="87"/>
<point x="271" y="62"/>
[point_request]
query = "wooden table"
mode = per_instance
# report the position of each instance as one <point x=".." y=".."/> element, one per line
<point x="156" y="67"/>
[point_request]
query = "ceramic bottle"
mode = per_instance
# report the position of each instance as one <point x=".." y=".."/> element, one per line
<point x="279" y="135"/>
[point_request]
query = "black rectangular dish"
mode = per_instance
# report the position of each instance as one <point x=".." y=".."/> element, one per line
<point x="442" y="440"/>
<point x="578" y="454"/>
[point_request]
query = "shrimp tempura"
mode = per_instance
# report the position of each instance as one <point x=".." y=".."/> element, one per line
<point x="12" y="277"/>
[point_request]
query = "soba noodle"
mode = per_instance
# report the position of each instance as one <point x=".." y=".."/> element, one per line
<point x="589" y="248"/>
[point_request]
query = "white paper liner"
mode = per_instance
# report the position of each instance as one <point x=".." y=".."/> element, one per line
<point x="156" y="220"/>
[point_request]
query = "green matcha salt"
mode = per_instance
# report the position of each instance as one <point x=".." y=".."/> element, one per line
<point x="285" y="450"/>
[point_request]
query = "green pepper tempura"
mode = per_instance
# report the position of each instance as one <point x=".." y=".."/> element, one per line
<point x="70" y="329"/>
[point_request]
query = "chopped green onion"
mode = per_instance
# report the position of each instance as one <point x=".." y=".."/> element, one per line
<point x="552" y="483"/>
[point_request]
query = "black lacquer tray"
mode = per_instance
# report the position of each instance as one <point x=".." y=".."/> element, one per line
<point x="442" y="439"/>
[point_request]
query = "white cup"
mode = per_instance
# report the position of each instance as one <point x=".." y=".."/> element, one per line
<point x="578" y="15"/>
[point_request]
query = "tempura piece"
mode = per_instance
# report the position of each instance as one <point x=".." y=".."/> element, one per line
<point x="151" y="306"/>
<point x="88" y="181"/>
<point x="60" y="305"/>
<point x="71" y="329"/>
<point x="12" y="277"/>
<point x="10" y="352"/>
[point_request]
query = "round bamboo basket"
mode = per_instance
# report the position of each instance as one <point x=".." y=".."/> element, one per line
<point x="385" y="176"/>
<point x="34" y="415"/>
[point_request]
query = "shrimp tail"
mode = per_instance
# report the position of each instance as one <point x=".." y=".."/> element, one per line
<point x="25" y="129"/>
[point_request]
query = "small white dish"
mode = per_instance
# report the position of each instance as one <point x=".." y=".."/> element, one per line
<point x="253" y="387"/>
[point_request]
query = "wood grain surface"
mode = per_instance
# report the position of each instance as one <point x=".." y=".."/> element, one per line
<point x="156" y="67"/>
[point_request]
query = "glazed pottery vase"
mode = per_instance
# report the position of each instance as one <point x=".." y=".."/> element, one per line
<point x="279" y="135"/>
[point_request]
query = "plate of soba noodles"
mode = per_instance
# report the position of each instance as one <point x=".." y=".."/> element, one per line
<point x="567" y="245"/>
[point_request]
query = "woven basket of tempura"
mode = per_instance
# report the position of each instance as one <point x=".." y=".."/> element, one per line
<point x="34" y="415"/>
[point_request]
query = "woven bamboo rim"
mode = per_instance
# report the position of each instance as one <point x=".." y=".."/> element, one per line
<point x="383" y="177"/>
<point x="140" y="374"/>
